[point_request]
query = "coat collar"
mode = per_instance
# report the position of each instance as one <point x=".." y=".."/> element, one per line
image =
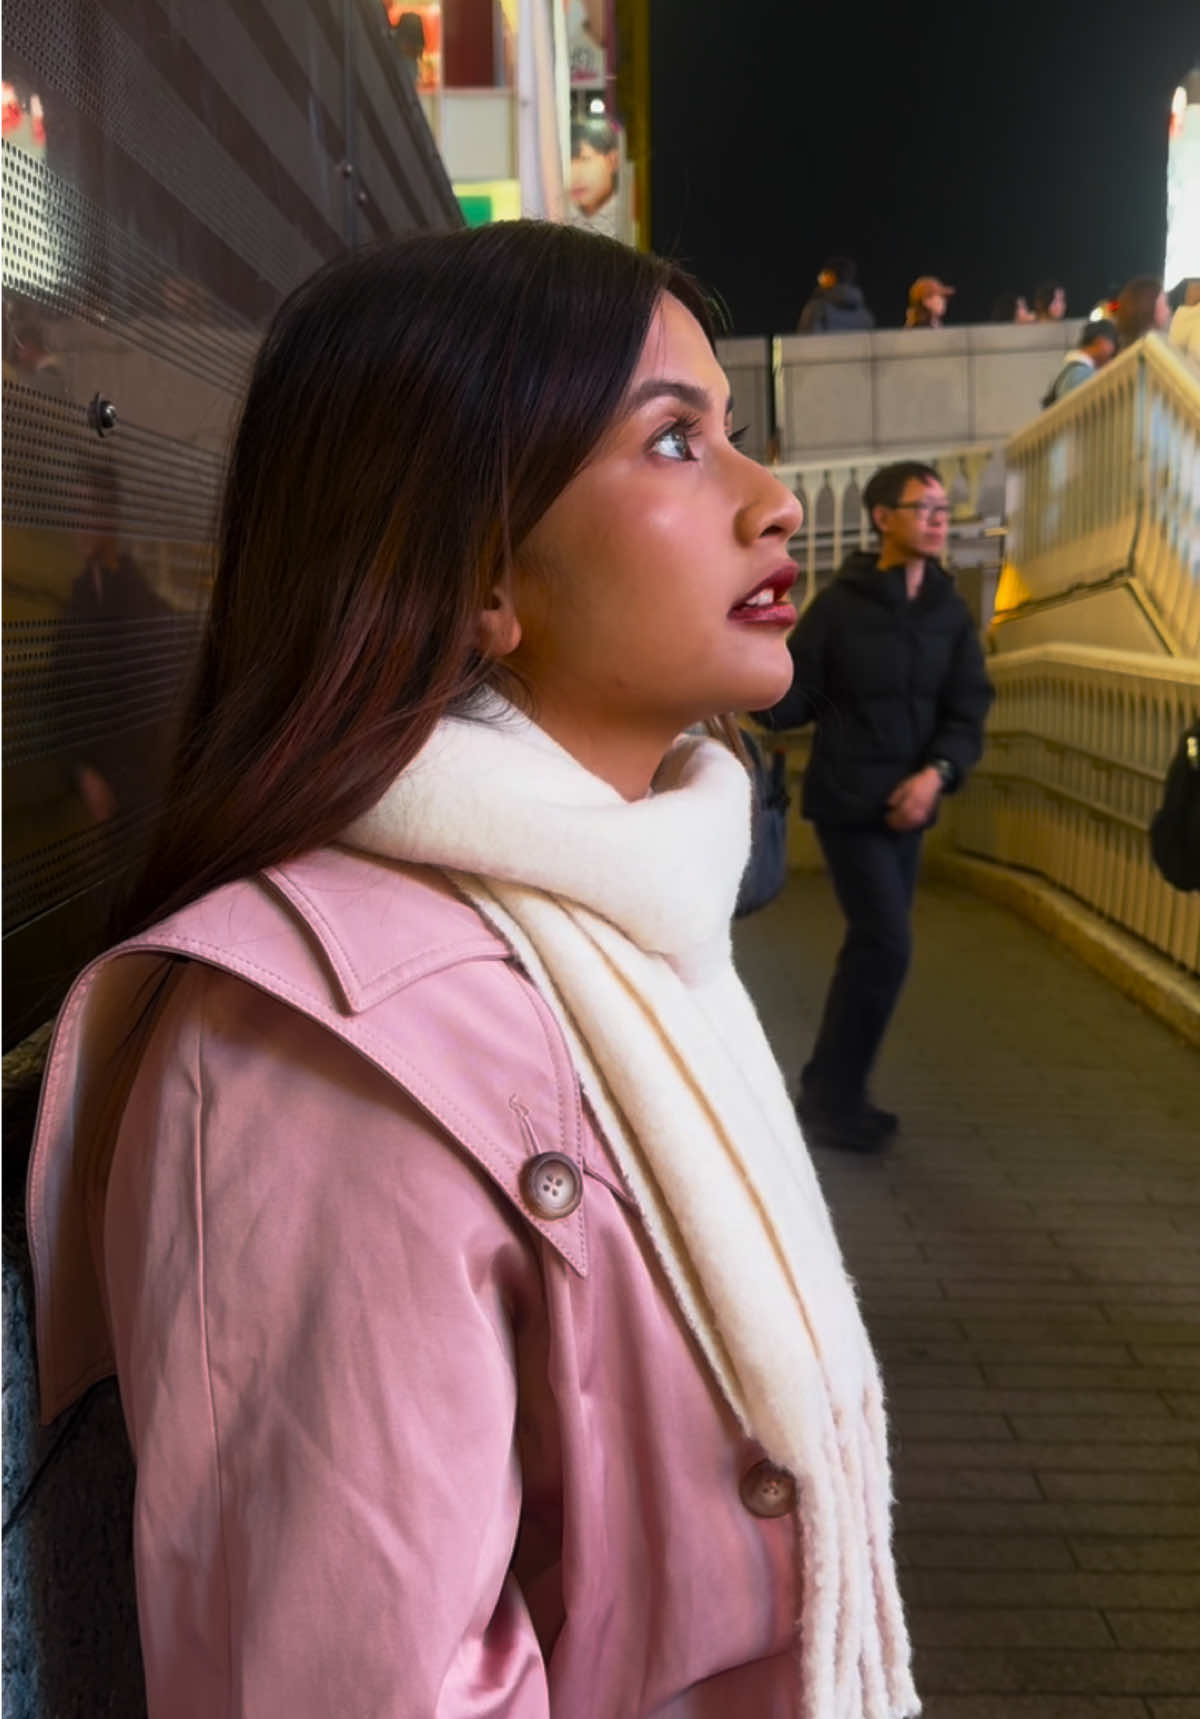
<point x="378" y="937"/>
<point x="349" y="937"/>
<point x="861" y="571"/>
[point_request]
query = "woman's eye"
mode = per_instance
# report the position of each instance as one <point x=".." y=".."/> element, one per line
<point x="675" y="443"/>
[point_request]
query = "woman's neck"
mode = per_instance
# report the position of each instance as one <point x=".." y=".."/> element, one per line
<point x="625" y="755"/>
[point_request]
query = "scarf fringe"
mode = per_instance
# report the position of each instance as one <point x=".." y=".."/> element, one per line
<point x="852" y="1645"/>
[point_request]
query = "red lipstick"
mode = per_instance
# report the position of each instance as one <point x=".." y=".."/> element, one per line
<point x="765" y="603"/>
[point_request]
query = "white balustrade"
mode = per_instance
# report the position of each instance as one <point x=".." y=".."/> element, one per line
<point x="835" y="521"/>
<point x="1078" y="744"/>
<point x="1104" y="488"/>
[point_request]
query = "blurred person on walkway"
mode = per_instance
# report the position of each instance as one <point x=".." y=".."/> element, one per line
<point x="1011" y="307"/>
<point x="1141" y="309"/>
<point x="1097" y="345"/>
<point x="1185" y="324"/>
<point x="889" y="667"/>
<point x="837" y="306"/>
<point x="1175" y="826"/>
<point x="408" y="35"/>
<point x="927" y="302"/>
<point x="482" y="1334"/>
<point x="1049" y="302"/>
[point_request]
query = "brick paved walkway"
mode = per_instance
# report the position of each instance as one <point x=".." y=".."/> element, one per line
<point x="1028" y="1262"/>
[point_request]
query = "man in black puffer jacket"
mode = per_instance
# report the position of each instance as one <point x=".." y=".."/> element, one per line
<point x="837" y="306"/>
<point x="888" y="665"/>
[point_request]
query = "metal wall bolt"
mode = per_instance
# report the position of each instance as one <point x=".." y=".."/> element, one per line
<point x="102" y="415"/>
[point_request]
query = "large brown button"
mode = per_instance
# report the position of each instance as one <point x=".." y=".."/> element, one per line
<point x="551" y="1186"/>
<point x="767" y="1490"/>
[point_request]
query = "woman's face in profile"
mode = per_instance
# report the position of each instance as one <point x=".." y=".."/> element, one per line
<point x="631" y="592"/>
<point x="593" y="178"/>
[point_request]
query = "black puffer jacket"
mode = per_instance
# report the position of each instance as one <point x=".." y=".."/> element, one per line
<point x="891" y="685"/>
<point x="837" y="309"/>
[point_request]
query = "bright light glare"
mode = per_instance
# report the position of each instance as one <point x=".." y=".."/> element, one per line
<point x="1183" y="190"/>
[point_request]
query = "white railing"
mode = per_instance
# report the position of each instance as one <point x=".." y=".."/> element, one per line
<point x="1078" y="745"/>
<point x="1107" y="482"/>
<point x="835" y="521"/>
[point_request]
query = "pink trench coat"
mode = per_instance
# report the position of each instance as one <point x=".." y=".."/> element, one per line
<point x="417" y="1435"/>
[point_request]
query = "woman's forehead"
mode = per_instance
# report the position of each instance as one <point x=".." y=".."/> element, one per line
<point x="676" y="348"/>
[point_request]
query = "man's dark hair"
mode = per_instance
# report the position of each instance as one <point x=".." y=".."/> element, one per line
<point x="1100" y="328"/>
<point x="1043" y="295"/>
<point x="886" y="486"/>
<point x="596" y="132"/>
<point x="843" y="269"/>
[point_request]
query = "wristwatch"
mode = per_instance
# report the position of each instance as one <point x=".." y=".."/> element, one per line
<point x="947" y="774"/>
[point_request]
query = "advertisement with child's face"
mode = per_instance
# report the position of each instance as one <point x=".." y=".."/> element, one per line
<point x="594" y="174"/>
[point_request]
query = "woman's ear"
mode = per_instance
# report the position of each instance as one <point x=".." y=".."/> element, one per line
<point x="498" y="631"/>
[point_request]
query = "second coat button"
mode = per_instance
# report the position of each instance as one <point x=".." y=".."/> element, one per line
<point x="767" y="1490"/>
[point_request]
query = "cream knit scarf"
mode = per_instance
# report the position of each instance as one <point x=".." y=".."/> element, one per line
<point x="620" y="914"/>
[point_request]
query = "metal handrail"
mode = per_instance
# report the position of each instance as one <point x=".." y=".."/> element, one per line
<point x="872" y="458"/>
<point x="1094" y="808"/>
<point x="1100" y="759"/>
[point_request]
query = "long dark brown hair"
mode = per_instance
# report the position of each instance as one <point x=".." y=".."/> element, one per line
<point x="1137" y="303"/>
<point x="413" y="412"/>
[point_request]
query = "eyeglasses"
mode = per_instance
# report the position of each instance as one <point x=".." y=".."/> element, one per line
<point x="931" y="510"/>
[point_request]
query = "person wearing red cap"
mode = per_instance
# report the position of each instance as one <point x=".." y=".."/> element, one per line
<point x="927" y="298"/>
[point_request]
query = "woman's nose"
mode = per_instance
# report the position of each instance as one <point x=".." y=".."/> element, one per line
<point x="772" y="510"/>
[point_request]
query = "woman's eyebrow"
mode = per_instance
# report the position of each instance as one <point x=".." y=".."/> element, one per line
<point x="699" y="399"/>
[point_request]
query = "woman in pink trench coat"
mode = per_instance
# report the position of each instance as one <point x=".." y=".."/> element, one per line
<point x="408" y="1445"/>
<point x="422" y="1427"/>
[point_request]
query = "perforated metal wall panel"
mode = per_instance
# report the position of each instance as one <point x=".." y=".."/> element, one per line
<point x="170" y="171"/>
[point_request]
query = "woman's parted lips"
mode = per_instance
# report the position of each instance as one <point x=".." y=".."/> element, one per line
<point x="778" y="583"/>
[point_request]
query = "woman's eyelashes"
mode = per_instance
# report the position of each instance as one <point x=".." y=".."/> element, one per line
<point x="676" y="442"/>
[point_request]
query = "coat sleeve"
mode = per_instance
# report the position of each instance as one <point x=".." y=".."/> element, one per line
<point x="807" y="695"/>
<point x="965" y="700"/>
<point x="313" y="1295"/>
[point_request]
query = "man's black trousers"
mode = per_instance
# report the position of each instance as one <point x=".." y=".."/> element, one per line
<point x="874" y="873"/>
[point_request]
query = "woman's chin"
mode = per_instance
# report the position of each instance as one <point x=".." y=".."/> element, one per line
<point x="766" y="685"/>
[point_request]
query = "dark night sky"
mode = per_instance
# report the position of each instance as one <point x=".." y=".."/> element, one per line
<point x="992" y="144"/>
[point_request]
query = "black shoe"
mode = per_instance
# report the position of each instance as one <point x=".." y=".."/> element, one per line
<point x="885" y="1120"/>
<point x="841" y="1131"/>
